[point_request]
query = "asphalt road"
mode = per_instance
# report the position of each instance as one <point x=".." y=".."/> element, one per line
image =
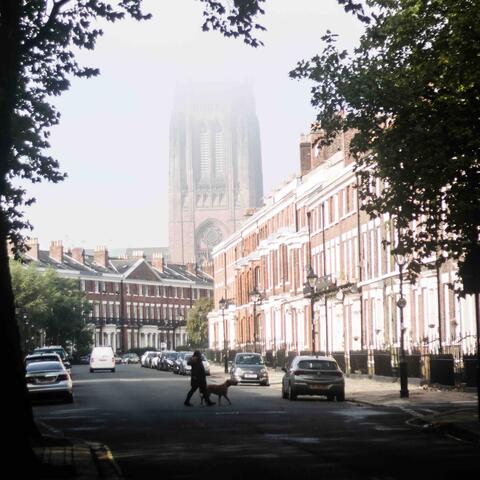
<point x="139" y="414"/>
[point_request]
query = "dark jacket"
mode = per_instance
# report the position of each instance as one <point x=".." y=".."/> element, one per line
<point x="198" y="371"/>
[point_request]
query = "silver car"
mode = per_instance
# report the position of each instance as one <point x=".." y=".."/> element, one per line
<point x="313" y="375"/>
<point x="49" y="379"/>
<point x="186" y="369"/>
<point x="249" y="368"/>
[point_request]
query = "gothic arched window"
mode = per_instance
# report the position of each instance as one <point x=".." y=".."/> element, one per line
<point x="204" y="153"/>
<point x="219" y="152"/>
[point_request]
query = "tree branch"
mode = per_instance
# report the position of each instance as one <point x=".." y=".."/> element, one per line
<point x="45" y="29"/>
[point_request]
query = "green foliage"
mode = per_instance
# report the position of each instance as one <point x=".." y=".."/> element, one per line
<point x="46" y="302"/>
<point x="410" y="92"/>
<point x="197" y="323"/>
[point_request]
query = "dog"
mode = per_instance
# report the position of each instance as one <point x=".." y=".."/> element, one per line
<point x="218" y="390"/>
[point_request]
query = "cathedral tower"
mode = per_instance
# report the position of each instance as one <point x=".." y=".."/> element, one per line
<point x="215" y="167"/>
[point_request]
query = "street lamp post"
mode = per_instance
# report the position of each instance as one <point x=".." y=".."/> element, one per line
<point x="256" y="297"/>
<point x="223" y="303"/>
<point x="138" y="333"/>
<point x="312" y="279"/>
<point x="401" y="303"/>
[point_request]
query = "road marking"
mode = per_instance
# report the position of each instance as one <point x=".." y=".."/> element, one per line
<point x="247" y="412"/>
<point x="128" y="380"/>
<point x="411" y="412"/>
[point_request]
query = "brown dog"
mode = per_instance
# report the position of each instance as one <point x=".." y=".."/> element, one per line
<point x="219" y="390"/>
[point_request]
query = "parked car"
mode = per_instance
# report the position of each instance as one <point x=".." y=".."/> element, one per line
<point x="155" y="359"/>
<point x="185" y="369"/>
<point x="118" y="359"/>
<point x="84" y="359"/>
<point x="206" y="364"/>
<point x="49" y="379"/>
<point x="146" y="358"/>
<point x="47" y="357"/>
<point x="249" y="368"/>
<point x="59" y="350"/>
<point x="170" y="358"/>
<point x="162" y="361"/>
<point x="313" y="375"/>
<point x="130" y="358"/>
<point x="102" y="358"/>
<point x="178" y="361"/>
<point x="42" y="357"/>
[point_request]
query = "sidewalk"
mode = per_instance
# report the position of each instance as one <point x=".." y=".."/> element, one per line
<point x="67" y="458"/>
<point x="460" y="420"/>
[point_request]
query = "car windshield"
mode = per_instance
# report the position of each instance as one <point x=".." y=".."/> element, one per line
<point x="172" y="356"/>
<point x="44" y="367"/>
<point x="317" y="365"/>
<point x="188" y="357"/>
<point x="249" y="360"/>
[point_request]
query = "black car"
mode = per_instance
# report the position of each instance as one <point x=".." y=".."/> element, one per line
<point x="169" y="361"/>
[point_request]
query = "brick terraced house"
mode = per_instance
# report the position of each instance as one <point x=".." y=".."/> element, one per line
<point x="312" y="224"/>
<point x="135" y="303"/>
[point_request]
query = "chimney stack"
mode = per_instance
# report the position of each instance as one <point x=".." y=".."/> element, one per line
<point x="56" y="251"/>
<point x="33" y="248"/>
<point x="100" y="256"/>
<point x="207" y="268"/>
<point x="305" y="154"/>
<point x="78" y="254"/>
<point x="158" y="261"/>
<point x="191" y="267"/>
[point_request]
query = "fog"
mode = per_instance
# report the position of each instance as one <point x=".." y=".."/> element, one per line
<point x="113" y="139"/>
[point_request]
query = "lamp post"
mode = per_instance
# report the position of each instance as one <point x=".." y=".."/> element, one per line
<point x="401" y="261"/>
<point x="256" y="297"/>
<point x="312" y="279"/>
<point x="138" y="333"/>
<point x="223" y="303"/>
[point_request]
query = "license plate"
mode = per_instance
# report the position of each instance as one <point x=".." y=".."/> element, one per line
<point x="250" y="375"/>
<point x="317" y="386"/>
<point x="44" y="380"/>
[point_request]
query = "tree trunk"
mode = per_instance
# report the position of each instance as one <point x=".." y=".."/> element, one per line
<point x="16" y="403"/>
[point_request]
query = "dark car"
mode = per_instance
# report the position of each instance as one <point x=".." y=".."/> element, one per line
<point x="313" y="375"/>
<point x="177" y="364"/>
<point x="58" y="349"/>
<point x="169" y="361"/>
<point x="249" y="368"/>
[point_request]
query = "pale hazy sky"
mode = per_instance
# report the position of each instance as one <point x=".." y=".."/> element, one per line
<point x="113" y="136"/>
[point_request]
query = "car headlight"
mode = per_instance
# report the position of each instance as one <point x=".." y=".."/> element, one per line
<point x="238" y="371"/>
<point x="263" y="370"/>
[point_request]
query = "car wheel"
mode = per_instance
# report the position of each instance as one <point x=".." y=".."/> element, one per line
<point x="113" y="370"/>
<point x="292" y="395"/>
<point x="92" y="370"/>
<point x="69" y="398"/>
<point x="330" y="398"/>
<point x="265" y="384"/>
<point x="284" y="394"/>
<point x="340" y="397"/>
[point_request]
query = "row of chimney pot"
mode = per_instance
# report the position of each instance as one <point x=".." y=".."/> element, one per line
<point x="100" y="255"/>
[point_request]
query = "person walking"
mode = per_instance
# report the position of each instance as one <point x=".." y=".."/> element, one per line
<point x="198" y="379"/>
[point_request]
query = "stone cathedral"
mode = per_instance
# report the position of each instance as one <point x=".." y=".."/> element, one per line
<point x="215" y="174"/>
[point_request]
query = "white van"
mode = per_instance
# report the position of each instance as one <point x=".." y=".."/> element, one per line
<point x="102" y="358"/>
